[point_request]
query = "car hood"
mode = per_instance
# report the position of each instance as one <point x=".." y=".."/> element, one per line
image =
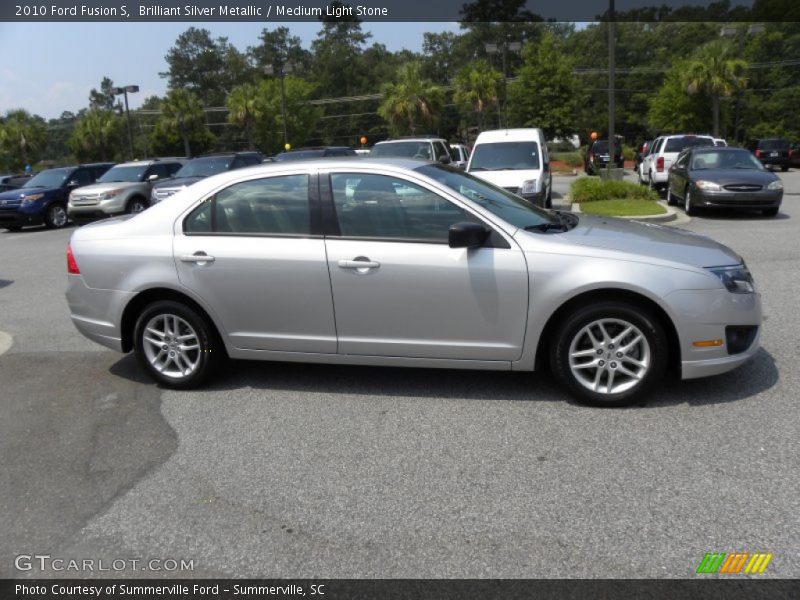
<point x="20" y="193"/>
<point x="731" y="176"/>
<point x="178" y="182"/>
<point x="650" y="240"/>
<point x="508" y="178"/>
<point x="102" y="188"/>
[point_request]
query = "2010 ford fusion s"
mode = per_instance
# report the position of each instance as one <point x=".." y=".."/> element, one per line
<point x="407" y="263"/>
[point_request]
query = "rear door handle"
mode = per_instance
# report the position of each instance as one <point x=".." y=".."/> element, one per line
<point x="358" y="264"/>
<point x="197" y="258"/>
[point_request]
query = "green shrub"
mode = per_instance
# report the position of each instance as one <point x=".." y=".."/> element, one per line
<point x="571" y="159"/>
<point x="591" y="189"/>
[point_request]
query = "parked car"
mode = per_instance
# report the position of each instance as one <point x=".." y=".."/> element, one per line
<point x="720" y="142"/>
<point x="772" y="152"/>
<point x="723" y="178"/>
<point x="201" y="167"/>
<point x="640" y="153"/>
<point x="12" y="182"/>
<point x="597" y="156"/>
<point x="43" y="198"/>
<point x="654" y="170"/>
<point x="402" y="263"/>
<point x="422" y="148"/>
<point x="314" y="152"/>
<point x="460" y="155"/>
<point x="794" y="155"/>
<point x="125" y="188"/>
<point x="516" y="160"/>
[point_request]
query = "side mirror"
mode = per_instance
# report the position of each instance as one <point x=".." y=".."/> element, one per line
<point x="72" y="183"/>
<point x="467" y="235"/>
<point x="444" y="159"/>
<point x="152" y="177"/>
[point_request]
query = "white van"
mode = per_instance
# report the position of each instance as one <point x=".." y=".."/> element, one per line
<point x="514" y="159"/>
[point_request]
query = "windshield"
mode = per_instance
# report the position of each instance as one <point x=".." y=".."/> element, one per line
<point x="730" y="159"/>
<point x="420" y="150"/>
<point x="687" y="141"/>
<point x="51" y="178"/>
<point x="509" y="207"/>
<point x="505" y="156"/>
<point x="203" y="167"/>
<point x="132" y="174"/>
<point x="773" y="145"/>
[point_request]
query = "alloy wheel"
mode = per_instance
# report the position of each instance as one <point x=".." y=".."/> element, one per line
<point x="171" y="346"/>
<point x="58" y="215"/>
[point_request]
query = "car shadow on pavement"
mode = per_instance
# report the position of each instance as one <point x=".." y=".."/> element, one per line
<point x="756" y="376"/>
<point x="739" y="215"/>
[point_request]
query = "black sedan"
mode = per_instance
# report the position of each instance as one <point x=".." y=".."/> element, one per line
<point x="716" y="177"/>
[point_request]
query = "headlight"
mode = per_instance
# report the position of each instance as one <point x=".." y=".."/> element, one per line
<point x="110" y="195"/>
<point x="528" y="187"/>
<point x="708" y="186"/>
<point x="31" y="199"/>
<point x="736" y="279"/>
<point x="775" y="185"/>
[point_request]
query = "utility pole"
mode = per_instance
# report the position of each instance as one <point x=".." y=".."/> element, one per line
<point x="611" y="107"/>
<point x="124" y="90"/>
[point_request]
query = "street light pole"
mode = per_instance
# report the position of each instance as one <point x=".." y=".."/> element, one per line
<point x="124" y="91"/>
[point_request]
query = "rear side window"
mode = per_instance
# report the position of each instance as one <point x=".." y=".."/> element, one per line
<point x="270" y="206"/>
<point x="680" y="143"/>
<point x="82" y="177"/>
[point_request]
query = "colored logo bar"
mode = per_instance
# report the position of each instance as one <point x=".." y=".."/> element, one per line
<point x="734" y="563"/>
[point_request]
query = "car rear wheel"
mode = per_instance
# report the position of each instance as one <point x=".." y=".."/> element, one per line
<point x="784" y="168"/>
<point x="56" y="216"/>
<point x="770" y="212"/>
<point x="650" y="182"/>
<point x="688" y="208"/>
<point x="609" y="354"/>
<point x="177" y="347"/>
<point x="136" y="205"/>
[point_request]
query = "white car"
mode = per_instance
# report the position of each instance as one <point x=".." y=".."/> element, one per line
<point x="654" y="169"/>
<point x="517" y="160"/>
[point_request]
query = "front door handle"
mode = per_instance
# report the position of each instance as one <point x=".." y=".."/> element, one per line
<point x="197" y="257"/>
<point x="360" y="263"/>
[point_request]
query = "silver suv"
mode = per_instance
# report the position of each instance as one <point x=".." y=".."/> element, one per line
<point x="421" y="148"/>
<point x="125" y="188"/>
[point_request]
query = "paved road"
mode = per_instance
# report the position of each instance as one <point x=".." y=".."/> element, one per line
<point x="295" y="470"/>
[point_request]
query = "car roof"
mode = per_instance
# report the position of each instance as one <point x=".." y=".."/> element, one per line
<point x="412" y="139"/>
<point x="510" y="135"/>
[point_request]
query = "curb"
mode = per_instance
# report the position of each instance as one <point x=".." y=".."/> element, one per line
<point x="573" y="173"/>
<point x="673" y="216"/>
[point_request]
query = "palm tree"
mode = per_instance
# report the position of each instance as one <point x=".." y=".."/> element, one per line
<point x="477" y="88"/>
<point x="717" y="72"/>
<point x="244" y="108"/>
<point x="411" y="101"/>
<point x="22" y="136"/>
<point x="96" y="134"/>
<point x="181" y="110"/>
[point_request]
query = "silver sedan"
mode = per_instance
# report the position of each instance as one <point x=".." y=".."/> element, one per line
<point x="406" y="263"/>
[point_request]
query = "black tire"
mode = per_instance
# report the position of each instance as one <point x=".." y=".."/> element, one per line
<point x="688" y="207"/>
<point x="770" y="212"/>
<point x="55" y="217"/>
<point x="650" y="183"/>
<point x="210" y="353"/>
<point x="784" y="168"/>
<point x="13" y="227"/>
<point x="548" y="202"/>
<point x="637" y="316"/>
<point x="671" y="201"/>
<point x="136" y="204"/>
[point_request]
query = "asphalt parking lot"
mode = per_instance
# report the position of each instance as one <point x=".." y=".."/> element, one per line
<point x="323" y="471"/>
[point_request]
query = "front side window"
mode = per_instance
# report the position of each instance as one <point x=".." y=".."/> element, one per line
<point x="381" y="206"/>
<point x="127" y="174"/>
<point x="271" y="206"/>
<point x="205" y="166"/>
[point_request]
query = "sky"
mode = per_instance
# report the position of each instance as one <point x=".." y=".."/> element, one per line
<point x="47" y="68"/>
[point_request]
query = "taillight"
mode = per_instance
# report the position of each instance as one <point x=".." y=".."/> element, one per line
<point x="660" y="164"/>
<point x="758" y="153"/>
<point x="72" y="266"/>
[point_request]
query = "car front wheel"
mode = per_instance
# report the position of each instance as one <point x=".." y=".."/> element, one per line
<point x="136" y="205"/>
<point x="177" y="347"/>
<point x="609" y="354"/>
<point x="670" y="197"/>
<point x="56" y="216"/>
<point x="688" y="208"/>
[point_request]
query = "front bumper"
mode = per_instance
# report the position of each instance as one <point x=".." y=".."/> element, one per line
<point x="745" y="200"/>
<point x="17" y="218"/>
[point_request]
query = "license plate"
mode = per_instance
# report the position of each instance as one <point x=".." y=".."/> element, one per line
<point x="773" y="154"/>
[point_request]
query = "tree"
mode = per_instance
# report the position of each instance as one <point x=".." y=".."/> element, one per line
<point x="301" y="117"/>
<point x="715" y="71"/>
<point x="97" y="135"/>
<point x="105" y="98"/>
<point x="337" y="56"/>
<point x="411" y="101"/>
<point x="544" y="94"/>
<point x="22" y="138"/>
<point x="244" y="108"/>
<point x="477" y="89"/>
<point x="672" y="109"/>
<point x="278" y="47"/>
<point x="182" y="114"/>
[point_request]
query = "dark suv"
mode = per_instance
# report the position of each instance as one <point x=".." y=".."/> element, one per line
<point x="597" y="156"/>
<point x="314" y="152"/>
<point x="201" y="167"/>
<point x="772" y="152"/>
<point x="43" y="198"/>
